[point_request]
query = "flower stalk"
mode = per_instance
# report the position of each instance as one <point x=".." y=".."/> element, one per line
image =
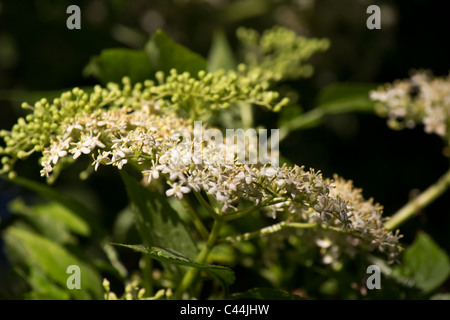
<point x="423" y="200"/>
<point x="192" y="273"/>
<point x="195" y="219"/>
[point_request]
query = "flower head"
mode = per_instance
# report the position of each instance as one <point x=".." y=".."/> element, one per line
<point x="422" y="99"/>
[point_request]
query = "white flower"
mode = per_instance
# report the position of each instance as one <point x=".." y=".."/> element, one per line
<point x="269" y="171"/>
<point x="152" y="173"/>
<point x="58" y="150"/>
<point x="421" y="99"/>
<point x="86" y="144"/>
<point x="46" y="170"/>
<point x="74" y="126"/>
<point x="177" y="190"/>
<point x="102" y="158"/>
<point x="435" y="121"/>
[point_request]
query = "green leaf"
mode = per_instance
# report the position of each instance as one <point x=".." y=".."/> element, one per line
<point x="224" y="274"/>
<point x="53" y="220"/>
<point x="334" y="99"/>
<point x="52" y="260"/>
<point x="68" y="202"/>
<point x="223" y="254"/>
<point x="124" y="225"/>
<point x="426" y="263"/>
<point x="53" y="212"/>
<point x="42" y="288"/>
<point x="237" y="11"/>
<point x="220" y="55"/>
<point x="158" y="224"/>
<point x="346" y="97"/>
<point x="165" y="54"/>
<point x="113" y="64"/>
<point x="265" y="294"/>
<point x="441" y="296"/>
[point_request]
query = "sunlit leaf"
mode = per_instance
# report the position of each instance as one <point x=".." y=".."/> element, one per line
<point x="165" y="54"/>
<point x="113" y="64"/>
<point x="334" y="99"/>
<point x="52" y="260"/>
<point x="220" y="55"/>
<point x="339" y="94"/>
<point x="158" y="224"/>
<point x="65" y="200"/>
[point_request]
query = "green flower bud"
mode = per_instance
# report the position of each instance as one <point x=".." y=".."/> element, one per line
<point x="12" y="175"/>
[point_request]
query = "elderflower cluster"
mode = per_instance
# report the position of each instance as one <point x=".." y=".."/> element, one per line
<point x="279" y="53"/>
<point x="366" y="219"/>
<point x="422" y="99"/>
<point x="189" y="96"/>
<point x="164" y="148"/>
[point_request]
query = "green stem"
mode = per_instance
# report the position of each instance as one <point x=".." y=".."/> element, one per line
<point x="246" y="115"/>
<point x="192" y="273"/>
<point x="241" y="213"/>
<point x="147" y="275"/>
<point x="278" y="227"/>
<point x="206" y="205"/>
<point x="195" y="219"/>
<point x="269" y="230"/>
<point x="419" y="203"/>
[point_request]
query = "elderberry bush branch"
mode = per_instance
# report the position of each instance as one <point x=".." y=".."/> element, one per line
<point x="167" y="151"/>
<point x="420" y="202"/>
<point x="422" y="99"/>
<point x="278" y="53"/>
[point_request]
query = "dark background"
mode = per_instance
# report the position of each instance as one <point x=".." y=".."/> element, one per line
<point x="38" y="54"/>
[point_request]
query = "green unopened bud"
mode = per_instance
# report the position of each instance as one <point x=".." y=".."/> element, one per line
<point x="126" y="80"/>
<point x="242" y="68"/>
<point x="201" y="74"/>
<point x="141" y="293"/>
<point x="12" y="175"/>
<point x="21" y="122"/>
<point x="106" y="285"/>
<point x="26" y="106"/>
<point x="21" y="154"/>
<point x="160" y="77"/>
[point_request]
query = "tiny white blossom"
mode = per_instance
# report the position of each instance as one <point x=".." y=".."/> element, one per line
<point x="177" y="190"/>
